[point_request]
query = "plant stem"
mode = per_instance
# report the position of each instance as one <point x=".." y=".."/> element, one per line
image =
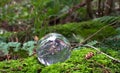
<point x="103" y="53"/>
<point x="89" y="37"/>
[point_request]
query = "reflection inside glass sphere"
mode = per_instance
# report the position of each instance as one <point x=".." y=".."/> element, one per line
<point x="53" y="48"/>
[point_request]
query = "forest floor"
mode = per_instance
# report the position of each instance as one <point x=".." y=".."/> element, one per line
<point x="96" y="63"/>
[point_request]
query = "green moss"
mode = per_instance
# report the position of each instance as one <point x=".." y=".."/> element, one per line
<point x="83" y="29"/>
<point x="28" y="65"/>
<point x="77" y="63"/>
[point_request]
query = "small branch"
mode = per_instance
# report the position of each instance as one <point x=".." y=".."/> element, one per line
<point x="103" y="53"/>
<point x="89" y="37"/>
<point x="94" y="34"/>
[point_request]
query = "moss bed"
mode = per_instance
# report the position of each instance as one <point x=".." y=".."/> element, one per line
<point x="77" y="63"/>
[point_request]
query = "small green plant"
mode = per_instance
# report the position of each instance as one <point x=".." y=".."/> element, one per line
<point x="29" y="46"/>
<point x="16" y="46"/>
<point x="3" y="48"/>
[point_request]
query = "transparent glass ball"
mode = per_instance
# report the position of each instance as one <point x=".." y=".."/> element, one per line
<point x="53" y="48"/>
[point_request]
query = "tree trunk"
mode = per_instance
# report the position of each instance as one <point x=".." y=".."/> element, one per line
<point x="108" y="6"/>
<point x="99" y="9"/>
<point x="119" y="4"/>
<point x="89" y="9"/>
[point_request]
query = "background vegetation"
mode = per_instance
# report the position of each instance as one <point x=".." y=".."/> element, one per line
<point x="24" y="22"/>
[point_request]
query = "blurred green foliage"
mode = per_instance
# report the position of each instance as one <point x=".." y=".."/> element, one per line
<point x="84" y="29"/>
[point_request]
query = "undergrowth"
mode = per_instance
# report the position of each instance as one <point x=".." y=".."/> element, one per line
<point x="83" y="29"/>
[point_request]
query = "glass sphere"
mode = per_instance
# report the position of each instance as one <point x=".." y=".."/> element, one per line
<point x="53" y="48"/>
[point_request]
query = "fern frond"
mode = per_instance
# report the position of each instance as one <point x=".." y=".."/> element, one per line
<point x="109" y="19"/>
<point x="92" y="43"/>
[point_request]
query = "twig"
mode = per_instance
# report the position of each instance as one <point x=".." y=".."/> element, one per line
<point x="89" y="37"/>
<point x="103" y="53"/>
